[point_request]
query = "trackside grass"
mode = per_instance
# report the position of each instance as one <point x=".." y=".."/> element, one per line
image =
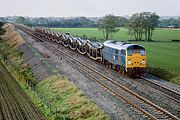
<point x="67" y="100"/>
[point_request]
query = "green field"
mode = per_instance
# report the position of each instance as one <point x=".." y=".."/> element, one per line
<point x="165" y="55"/>
<point x="161" y="54"/>
<point x="159" y="34"/>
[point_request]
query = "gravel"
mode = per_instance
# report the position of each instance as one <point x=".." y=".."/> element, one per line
<point x="163" y="82"/>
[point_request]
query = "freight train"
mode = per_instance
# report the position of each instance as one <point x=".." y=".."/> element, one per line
<point x="123" y="57"/>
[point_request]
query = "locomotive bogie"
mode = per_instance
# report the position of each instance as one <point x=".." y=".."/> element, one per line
<point x="135" y="71"/>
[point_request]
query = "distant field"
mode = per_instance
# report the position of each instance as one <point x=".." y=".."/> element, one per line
<point x="165" y="55"/>
<point x="159" y="34"/>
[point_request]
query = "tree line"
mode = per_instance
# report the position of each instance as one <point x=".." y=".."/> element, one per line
<point x="141" y="25"/>
<point x="171" y="22"/>
<point x="79" y="22"/>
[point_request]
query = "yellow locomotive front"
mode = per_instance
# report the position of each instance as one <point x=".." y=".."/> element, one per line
<point x="135" y="60"/>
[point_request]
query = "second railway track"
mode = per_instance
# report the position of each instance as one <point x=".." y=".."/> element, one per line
<point x="172" y="94"/>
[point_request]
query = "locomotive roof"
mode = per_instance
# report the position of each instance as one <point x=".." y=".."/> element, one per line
<point x="120" y="45"/>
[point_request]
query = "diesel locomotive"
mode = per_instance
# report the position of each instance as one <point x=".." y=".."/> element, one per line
<point x="124" y="57"/>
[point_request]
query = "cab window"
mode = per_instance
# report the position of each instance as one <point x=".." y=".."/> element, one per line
<point x="135" y="51"/>
<point x="129" y="52"/>
<point x="142" y="52"/>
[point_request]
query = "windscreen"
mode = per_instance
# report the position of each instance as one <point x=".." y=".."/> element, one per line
<point x="135" y="49"/>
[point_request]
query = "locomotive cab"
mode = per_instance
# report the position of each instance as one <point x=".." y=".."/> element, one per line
<point x="135" y="60"/>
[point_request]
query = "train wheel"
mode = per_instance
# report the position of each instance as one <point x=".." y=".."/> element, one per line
<point x="117" y="68"/>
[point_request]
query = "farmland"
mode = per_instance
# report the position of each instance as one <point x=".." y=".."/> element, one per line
<point x="159" y="34"/>
<point x="162" y="54"/>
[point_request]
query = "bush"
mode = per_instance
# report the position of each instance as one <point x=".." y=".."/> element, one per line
<point x="2" y="31"/>
<point x="175" y="40"/>
<point x="161" y="73"/>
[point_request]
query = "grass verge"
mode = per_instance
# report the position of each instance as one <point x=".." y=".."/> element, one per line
<point x="67" y="100"/>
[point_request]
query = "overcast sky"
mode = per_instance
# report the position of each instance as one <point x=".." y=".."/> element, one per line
<point x="89" y="8"/>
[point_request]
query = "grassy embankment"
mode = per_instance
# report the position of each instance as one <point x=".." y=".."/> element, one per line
<point x="164" y="54"/>
<point x="55" y="97"/>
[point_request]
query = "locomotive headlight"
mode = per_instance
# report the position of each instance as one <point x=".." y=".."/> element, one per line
<point x="129" y="62"/>
<point x="143" y="62"/>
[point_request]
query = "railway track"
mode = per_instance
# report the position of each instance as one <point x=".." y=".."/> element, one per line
<point x="14" y="103"/>
<point x="172" y="94"/>
<point x="169" y="93"/>
<point x="143" y="105"/>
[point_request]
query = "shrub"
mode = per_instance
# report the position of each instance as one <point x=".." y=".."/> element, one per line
<point x="161" y="73"/>
<point x="175" y="40"/>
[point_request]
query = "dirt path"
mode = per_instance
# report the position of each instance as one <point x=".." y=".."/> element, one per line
<point x="14" y="103"/>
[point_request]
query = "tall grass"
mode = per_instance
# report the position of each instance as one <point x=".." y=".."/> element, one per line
<point x="70" y="101"/>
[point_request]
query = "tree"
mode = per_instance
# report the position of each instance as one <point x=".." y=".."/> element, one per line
<point x="143" y="23"/>
<point x="135" y="26"/>
<point x="150" y="21"/>
<point x="122" y="21"/>
<point x="2" y="31"/>
<point x="108" y="25"/>
<point x="22" y="20"/>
